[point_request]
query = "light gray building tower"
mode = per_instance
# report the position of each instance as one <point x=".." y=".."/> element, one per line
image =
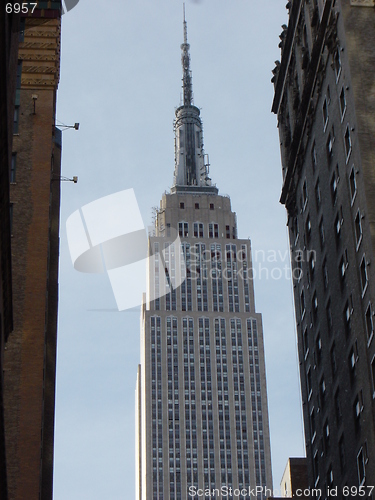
<point x="202" y="417"/>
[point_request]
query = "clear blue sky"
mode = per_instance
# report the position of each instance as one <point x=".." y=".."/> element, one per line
<point x="121" y="79"/>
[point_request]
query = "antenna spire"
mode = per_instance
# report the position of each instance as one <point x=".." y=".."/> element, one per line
<point x="187" y="85"/>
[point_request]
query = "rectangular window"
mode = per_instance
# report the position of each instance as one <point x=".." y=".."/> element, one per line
<point x="373" y="376"/>
<point x="334" y="188"/>
<point x="305" y="342"/>
<point x="358" y="228"/>
<point x="227" y="232"/>
<point x="314" y="159"/>
<point x="303" y="305"/>
<point x="325" y="274"/>
<point x="348" y="143"/>
<point x="321" y="233"/>
<point x="363" y="273"/>
<point x="308" y="228"/>
<point x="304" y="195"/>
<point x="183" y="229"/>
<point x="361" y="467"/>
<point x="369" y="322"/>
<point x="329" y="146"/>
<point x="342" y="103"/>
<point x="337" y="63"/>
<point x="212" y="206"/>
<point x="309" y="383"/>
<point x="182" y="204"/>
<point x="325" y="113"/>
<point x="318" y="195"/>
<point x="16" y="117"/>
<point x="352" y="184"/>
<point x="196" y="206"/>
<point x="329" y="315"/>
<point x="312" y="425"/>
<point x="333" y="360"/>
<point x="216" y="230"/>
<point x="12" y="176"/>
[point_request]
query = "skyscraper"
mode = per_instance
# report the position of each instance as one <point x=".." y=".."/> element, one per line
<point x="202" y="419"/>
<point x="325" y="104"/>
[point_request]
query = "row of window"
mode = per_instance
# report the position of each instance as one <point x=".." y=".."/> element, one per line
<point x="198" y="230"/>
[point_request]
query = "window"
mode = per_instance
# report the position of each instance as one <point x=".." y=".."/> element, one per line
<point x="305" y="342"/>
<point x="337" y="63"/>
<point x="369" y="322"/>
<point x="353" y="358"/>
<point x="330" y="476"/>
<point x="361" y="460"/>
<point x="308" y="228"/>
<point x="16" y="117"/>
<point x="347" y="316"/>
<point x="342" y="102"/>
<point x="315" y="304"/>
<point x="303" y="305"/>
<point x="313" y="156"/>
<point x="312" y="263"/>
<point x="212" y="206"/>
<point x="337" y="226"/>
<point x="322" y="390"/>
<point x="321" y="233"/>
<point x="347" y="142"/>
<point x="304" y="195"/>
<point x="183" y="229"/>
<point x="182" y="204"/>
<point x="325" y="113"/>
<point x="352" y="184"/>
<point x="213" y="230"/>
<point x="329" y="315"/>
<point x="358" y="405"/>
<point x="333" y="360"/>
<point x="309" y="383"/>
<point x="344" y="264"/>
<point x="227" y="232"/>
<point x="196" y="206"/>
<point x="373" y="376"/>
<point x="318" y="195"/>
<point x="198" y="230"/>
<point x="363" y="272"/>
<point x="358" y="228"/>
<point x="312" y="425"/>
<point x="12" y="175"/>
<point x="318" y="344"/>
<point x="325" y="274"/>
<point x="329" y="146"/>
<point x="334" y="188"/>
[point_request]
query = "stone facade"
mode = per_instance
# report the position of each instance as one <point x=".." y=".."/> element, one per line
<point x="324" y="101"/>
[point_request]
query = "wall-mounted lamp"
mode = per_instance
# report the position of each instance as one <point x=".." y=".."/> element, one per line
<point x="66" y="179"/>
<point x="65" y="127"/>
<point x="34" y="97"/>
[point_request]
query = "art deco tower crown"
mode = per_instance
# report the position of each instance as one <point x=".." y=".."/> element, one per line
<point x="191" y="169"/>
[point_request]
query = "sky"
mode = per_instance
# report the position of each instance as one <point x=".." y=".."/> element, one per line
<point x="121" y="80"/>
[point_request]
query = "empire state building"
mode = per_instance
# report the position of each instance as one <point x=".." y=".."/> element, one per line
<point x="201" y="399"/>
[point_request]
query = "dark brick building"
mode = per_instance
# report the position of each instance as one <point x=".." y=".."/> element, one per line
<point x="9" y="24"/>
<point x="34" y="175"/>
<point x="325" y="104"/>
